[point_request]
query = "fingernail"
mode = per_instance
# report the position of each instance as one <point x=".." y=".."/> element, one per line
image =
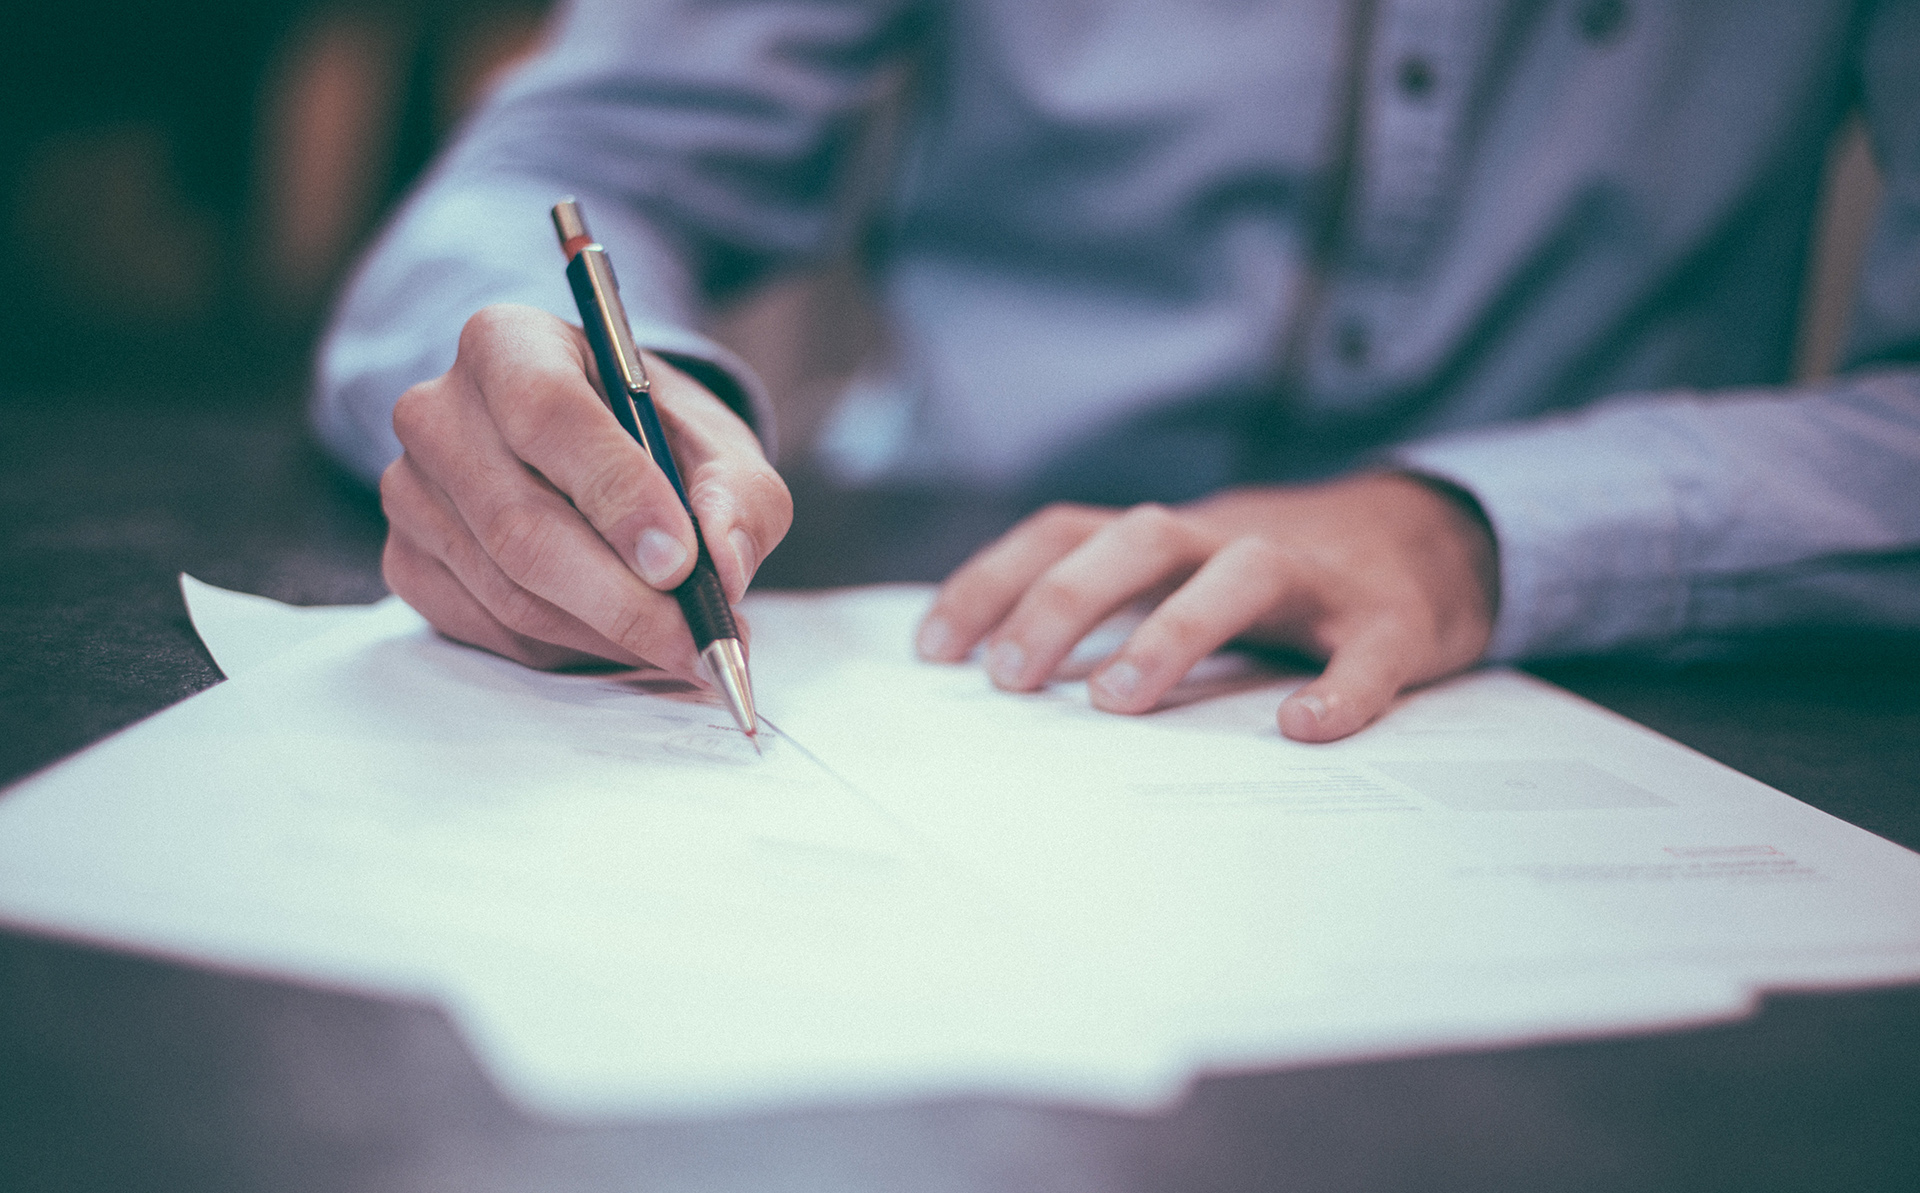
<point x="658" y="555"/>
<point x="934" y="637"/>
<point x="1315" y="707"/>
<point x="1118" y="682"/>
<point x="744" y="554"/>
<point x="1004" y="663"/>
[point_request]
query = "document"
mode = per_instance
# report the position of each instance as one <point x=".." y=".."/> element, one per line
<point x="922" y="886"/>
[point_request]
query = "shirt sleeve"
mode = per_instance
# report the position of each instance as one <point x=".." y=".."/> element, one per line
<point x="704" y="140"/>
<point x="1681" y="524"/>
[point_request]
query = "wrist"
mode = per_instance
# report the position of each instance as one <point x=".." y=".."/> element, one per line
<point x="1471" y="529"/>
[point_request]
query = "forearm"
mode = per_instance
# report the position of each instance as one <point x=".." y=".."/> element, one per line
<point x="1674" y="523"/>
<point x="468" y="241"/>
<point x="704" y="141"/>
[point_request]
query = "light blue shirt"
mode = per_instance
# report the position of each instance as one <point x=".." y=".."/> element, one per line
<point x="1144" y="249"/>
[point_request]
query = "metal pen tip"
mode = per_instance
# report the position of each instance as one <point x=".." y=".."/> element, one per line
<point x="727" y="665"/>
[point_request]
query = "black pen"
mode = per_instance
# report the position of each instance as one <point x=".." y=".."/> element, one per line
<point x="627" y="389"/>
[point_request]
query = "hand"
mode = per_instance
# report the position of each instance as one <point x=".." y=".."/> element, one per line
<point x="1383" y="576"/>
<point x="524" y="520"/>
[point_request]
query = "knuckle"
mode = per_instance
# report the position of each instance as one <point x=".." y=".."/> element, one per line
<point x="1154" y="527"/>
<point x="1052" y="515"/>
<point x="393" y="488"/>
<point x="774" y="497"/>
<point x="488" y="326"/>
<point x="397" y="567"/>
<point x="1053" y="599"/>
<point x="635" y="626"/>
<point x="522" y="613"/>
<point x="1265" y="563"/>
<point x="530" y="386"/>
<point x="416" y="414"/>
<point x="607" y="490"/>
<point x="975" y="594"/>
<point x="535" y="404"/>
<point x="407" y="500"/>
<point x="1180" y="632"/>
<point x="519" y="538"/>
<point x="629" y="625"/>
<point x="1397" y="622"/>
<point x="1066" y="519"/>
<point x="754" y="497"/>
<point x="717" y="495"/>
<point x="1261" y="553"/>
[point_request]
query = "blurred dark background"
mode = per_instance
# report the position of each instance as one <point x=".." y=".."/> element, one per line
<point x="181" y="185"/>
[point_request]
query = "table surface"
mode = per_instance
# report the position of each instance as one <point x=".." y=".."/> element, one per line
<point x="124" y="1072"/>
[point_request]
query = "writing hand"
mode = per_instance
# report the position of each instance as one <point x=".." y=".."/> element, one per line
<point x="524" y="520"/>
<point x="1383" y="576"/>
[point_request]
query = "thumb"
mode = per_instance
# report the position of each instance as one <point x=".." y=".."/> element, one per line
<point x="1360" y="680"/>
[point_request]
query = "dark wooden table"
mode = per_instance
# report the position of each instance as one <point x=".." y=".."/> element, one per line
<point x="123" y="1073"/>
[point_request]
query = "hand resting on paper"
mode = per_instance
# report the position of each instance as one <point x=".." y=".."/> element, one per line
<point x="1390" y="579"/>
<point x="523" y="520"/>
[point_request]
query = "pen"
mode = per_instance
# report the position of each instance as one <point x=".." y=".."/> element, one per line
<point x="628" y="391"/>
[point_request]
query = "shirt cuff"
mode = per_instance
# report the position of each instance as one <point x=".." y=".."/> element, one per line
<point x="1587" y="525"/>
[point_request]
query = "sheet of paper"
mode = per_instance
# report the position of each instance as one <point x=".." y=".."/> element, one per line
<point x="243" y="632"/>
<point x="924" y="886"/>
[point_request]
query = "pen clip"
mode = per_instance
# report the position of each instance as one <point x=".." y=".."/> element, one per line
<point x="592" y="262"/>
<point x="588" y="266"/>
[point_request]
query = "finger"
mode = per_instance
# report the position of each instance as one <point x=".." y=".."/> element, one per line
<point x="1361" y="678"/>
<point x="1237" y="587"/>
<point x="532" y="376"/>
<point x="426" y="584"/>
<point x="532" y="534"/>
<point x="1141" y="549"/>
<point x="743" y="506"/>
<point x="428" y="540"/>
<point x="979" y="595"/>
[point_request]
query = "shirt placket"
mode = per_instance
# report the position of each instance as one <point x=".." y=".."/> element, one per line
<point x="1413" y="105"/>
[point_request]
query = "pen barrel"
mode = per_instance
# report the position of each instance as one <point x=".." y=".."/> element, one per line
<point x="622" y="382"/>
<point x="624" y="385"/>
<point x="648" y="420"/>
<point x="704" y="602"/>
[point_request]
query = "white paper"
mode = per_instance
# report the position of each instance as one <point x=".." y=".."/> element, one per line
<point x="243" y="632"/>
<point x="925" y="886"/>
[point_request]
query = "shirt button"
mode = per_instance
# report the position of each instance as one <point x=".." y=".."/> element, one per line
<point x="1601" y="21"/>
<point x="1415" y="77"/>
<point x="1351" y="342"/>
